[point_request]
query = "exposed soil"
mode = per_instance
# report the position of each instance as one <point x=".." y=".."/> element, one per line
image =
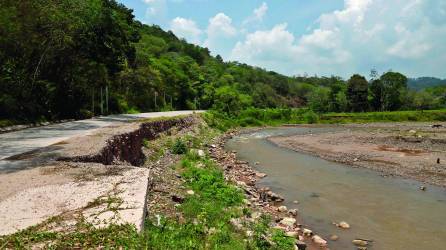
<point x="409" y="150"/>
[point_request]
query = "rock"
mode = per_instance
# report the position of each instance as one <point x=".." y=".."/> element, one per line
<point x="247" y="202"/>
<point x="318" y="240"/>
<point x="293" y="212"/>
<point x="282" y="209"/>
<point x="356" y="159"/>
<point x="292" y="234"/>
<point x="190" y="192"/>
<point x="307" y="232"/>
<point x="256" y="215"/>
<point x="343" y="225"/>
<point x="260" y="175"/>
<point x="295" y="202"/>
<point x="288" y="221"/>
<point x="200" y="153"/>
<point x="423" y="188"/>
<point x="256" y="163"/>
<point x="249" y="233"/>
<point x="334" y="237"/>
<point x="361" y="248"/>
<point x="412" y="131"/>
<point x="360" y="243"/>
<point x="301" y="245"/>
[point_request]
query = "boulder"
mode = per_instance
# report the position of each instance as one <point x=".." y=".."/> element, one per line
<point x="292" y="234"/>
<point x="318" y="240"/>
<point x="307" y="232"/>
<point x="360" y="243"/>
<point x="282" y="209"/>
<point x="293" y="212"/>
<point x="343" y="225"/>
<point x="288" y="221"/>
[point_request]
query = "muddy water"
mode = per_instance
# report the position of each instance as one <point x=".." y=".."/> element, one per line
<point x="392" y="212"/>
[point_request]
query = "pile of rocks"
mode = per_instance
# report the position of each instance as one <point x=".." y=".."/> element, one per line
<point x="262" y="199"/>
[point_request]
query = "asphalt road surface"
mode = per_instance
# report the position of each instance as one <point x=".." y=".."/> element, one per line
<point x="23" y="141"/>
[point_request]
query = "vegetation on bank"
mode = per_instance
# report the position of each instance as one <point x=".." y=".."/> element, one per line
<point x="274" y="117"/>
<point x="58" y="63"/>
<point x="206" y="214"/>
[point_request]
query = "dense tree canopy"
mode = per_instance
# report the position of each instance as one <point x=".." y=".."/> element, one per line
<point x="76" y="58"/>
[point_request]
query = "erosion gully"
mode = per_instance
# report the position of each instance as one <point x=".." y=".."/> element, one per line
<point x="392" y="212"/>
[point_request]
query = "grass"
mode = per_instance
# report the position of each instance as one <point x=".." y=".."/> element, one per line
<point x="273" y="117"/>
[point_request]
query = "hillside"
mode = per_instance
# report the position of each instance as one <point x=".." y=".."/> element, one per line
<point x="59" y="63"/>
<point x="425" y="82"/>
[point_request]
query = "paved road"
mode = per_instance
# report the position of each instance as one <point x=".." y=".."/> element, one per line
<point x="31" y="139"/>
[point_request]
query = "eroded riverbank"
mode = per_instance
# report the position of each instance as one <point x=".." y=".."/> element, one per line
<point x="392" y="212"/>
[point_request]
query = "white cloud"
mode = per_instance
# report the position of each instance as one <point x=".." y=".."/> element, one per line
<point x="186" y="28"/>
<point x="257" y="15"/>
<point x="220" y="32"/>
<point x="405" y="35"/>
<point x="221" y="25"/>
<point x="156" y="11"/>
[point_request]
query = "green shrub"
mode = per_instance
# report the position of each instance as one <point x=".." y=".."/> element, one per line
<point x="311" y="117"/>
<point x="179" y="147"/>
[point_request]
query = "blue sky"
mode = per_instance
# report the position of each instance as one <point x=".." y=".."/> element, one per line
<point x="323" y="37"/>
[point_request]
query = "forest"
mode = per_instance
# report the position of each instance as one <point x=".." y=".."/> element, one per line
<point x="77" y="59"/>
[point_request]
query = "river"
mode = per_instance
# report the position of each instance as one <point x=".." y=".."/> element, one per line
<point x="393" y="212"/>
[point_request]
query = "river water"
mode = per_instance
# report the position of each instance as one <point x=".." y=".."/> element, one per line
<point x="393" y="212"/>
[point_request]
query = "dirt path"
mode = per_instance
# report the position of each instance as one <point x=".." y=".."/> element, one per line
<point x="410" y="150"/>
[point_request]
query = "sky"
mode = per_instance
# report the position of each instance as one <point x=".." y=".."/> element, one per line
<point x="314" y="37"/>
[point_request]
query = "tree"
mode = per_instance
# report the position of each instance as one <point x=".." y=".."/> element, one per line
<point x="230" y="101"/>
<point x="394" y="87"/>
<point x="319" y="99"/>
<point x="357" y="93"/>
<point x="377" y="94"/>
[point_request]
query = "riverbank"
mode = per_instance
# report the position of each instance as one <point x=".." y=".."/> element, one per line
<point x="410" y="150"/>
<point x="104" y="190"/>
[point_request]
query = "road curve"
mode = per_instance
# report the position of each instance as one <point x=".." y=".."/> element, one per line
<point x="19" y="142"/>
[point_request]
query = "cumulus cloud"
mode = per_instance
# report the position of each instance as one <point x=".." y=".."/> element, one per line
<point x="405" y="35"/>
<point x="187" y="29"/>
<point x="220" y="32"/>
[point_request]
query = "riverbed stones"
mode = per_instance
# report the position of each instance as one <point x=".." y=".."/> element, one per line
<point x="293" y="212"/>
<point x="307" y="232"/>
<point x="282" y="209"/>
<point x="334" y="237"/>
<point x="260" y="175"/>
<point x="318" y="240"/>
<point x="360" y="243"/>
<point x="343" y="225"/>
<point x="288" y="221"/>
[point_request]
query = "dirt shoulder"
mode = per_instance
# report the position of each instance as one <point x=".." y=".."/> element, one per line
<point x="409" y="150"/>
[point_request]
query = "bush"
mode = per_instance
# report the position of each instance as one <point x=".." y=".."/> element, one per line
<point x="311" y="117"/>
<point x="179" y="147"/>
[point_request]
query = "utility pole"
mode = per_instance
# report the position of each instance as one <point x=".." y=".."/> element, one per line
<point x="156" y="94"/>
<point x="102" y="103"/>
<point x="106" y="99"/>
<point x="92" y="102"/>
